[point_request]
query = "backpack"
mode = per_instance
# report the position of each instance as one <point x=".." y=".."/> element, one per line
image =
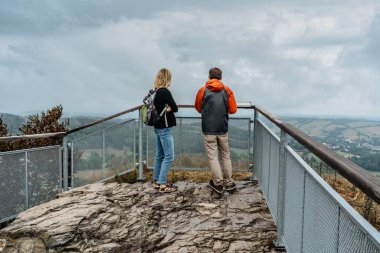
<point x="149" y="114"/>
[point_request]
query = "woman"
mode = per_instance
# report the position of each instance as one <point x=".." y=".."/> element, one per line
<point x="163" y="129"/>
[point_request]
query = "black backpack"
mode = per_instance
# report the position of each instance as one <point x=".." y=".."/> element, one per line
<point x="149" y="114"/>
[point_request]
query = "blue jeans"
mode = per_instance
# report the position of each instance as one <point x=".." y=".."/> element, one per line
<point x="164" y="154"/>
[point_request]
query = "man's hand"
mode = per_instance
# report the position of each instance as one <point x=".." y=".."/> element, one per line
<point x="168" y="108"/>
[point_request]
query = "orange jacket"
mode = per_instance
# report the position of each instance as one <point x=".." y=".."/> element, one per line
<point x="215" y="85"/>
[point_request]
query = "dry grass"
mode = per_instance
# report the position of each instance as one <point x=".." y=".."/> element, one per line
<point x="368" y="208"/>
<point x="178" y="175"/>
<point x="196" y="176"/>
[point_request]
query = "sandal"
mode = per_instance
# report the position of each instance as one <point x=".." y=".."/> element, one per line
<point x="168" y="188"/>
<point x="156" y="185"/>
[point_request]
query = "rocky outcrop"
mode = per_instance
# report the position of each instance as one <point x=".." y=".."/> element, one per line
<point x="136" y="218"/>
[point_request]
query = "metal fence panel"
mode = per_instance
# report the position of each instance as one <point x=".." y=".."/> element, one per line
<point x="191" y="151"/>
<point x="151" y="146"/>
<point x="238" y="137"/>
<point x="87" y="160"/>
<point x="12" y="184"/>
<point x="258" y="151"/>
<point x="273" y="176"/>
<point x="352" y="239"/>
<point x="265" y="162"/>
<point x="44" y="176"/>
<point x="103" y="154"/>
<point x="321" y="217"/>
<point x="330" y="223"/>
<point x="28" y="178"/>
<point x="119" y="149"/>
<point x="294" y="198"/>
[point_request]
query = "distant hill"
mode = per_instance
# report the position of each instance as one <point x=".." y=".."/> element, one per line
<point x="358" y="139"/>
<point x="352" y="129"/>
<point x="13" y="122"/>
<point x="347" y="128"/>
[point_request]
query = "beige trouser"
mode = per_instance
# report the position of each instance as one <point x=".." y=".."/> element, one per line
<point x="213" y="144"/>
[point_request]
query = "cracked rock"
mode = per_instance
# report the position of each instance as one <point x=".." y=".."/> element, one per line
<point x="136" y="218"/>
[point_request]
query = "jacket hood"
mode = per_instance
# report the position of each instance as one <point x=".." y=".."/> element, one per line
<point x="214" y="85"/>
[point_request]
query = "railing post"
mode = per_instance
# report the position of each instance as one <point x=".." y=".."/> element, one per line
<point x="72" y="166"/>
<point x="249" y="144"/>
<point x="104" y="155"/>
<point x="134" y="145"/>
<point x="26" y="181"/>
<point x="279" y="243"/>
<point x="255" y="147"/>
<point x="147" y="148"/>
<point x="60" y="166"/>
<point x="140" y="176"/>
<point x="65" y="163"/>
<point x="180" y="143"/>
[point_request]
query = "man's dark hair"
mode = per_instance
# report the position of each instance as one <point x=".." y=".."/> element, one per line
<point x="215" y="73"/>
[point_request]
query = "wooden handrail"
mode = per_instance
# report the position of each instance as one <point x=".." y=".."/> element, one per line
<point x="102" y="120"/>
<point x="32" y="136"/>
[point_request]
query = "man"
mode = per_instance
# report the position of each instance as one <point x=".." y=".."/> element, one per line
<point x="215" y="101"/>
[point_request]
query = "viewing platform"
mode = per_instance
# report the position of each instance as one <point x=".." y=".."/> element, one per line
<point x="285" y="204"/>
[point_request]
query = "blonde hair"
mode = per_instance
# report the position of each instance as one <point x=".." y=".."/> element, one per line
<point x="163" y="79"/>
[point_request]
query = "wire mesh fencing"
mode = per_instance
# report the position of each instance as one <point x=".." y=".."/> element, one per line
<point x="28" y="178"/>
<point x="189" y="153"/>
<point x="316" y="217"/>
<point x="103" y="154"/>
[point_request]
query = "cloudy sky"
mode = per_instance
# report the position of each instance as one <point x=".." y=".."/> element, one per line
<point x="101" y="56"/>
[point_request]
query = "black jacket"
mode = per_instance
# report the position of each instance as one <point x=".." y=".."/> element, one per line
<point x="164" y="97"/>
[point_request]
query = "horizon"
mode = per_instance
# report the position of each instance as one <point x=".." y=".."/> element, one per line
<point x="284" y="115"/>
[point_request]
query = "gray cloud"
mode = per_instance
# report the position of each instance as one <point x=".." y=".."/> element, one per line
<point x="314" y="58"/>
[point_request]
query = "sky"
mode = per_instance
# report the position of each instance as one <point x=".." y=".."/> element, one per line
<point x="101" y="56"/>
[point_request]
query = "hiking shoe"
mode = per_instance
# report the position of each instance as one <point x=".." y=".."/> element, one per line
<point x="230" y="186"/>
<point x="217" y="188"/>
<point x="168" y="188"/>
<point x="156" y="185"/>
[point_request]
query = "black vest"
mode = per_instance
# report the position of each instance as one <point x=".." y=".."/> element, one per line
<point x="215" y="112"/>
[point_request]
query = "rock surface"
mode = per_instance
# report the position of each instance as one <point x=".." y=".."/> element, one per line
<point x="136" y="218"/>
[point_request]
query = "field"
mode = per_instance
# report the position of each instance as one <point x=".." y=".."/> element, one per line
<point x="347" y="128"/>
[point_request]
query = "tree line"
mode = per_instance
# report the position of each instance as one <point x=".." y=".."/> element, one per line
<point x="45" y="122"/>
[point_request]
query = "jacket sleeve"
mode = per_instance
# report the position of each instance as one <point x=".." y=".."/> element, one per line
<point x="199" y="98"/>
<point x="232" y="106"/>
<point x="170" y="100"/>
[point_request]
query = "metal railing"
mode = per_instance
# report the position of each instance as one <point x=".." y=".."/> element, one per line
<point x="103" y="154"/>
<point x="189" y="147"/>
<point x="28" y="178"/>
<point x="310" y="215"/>
<point x="85" y="149"/>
